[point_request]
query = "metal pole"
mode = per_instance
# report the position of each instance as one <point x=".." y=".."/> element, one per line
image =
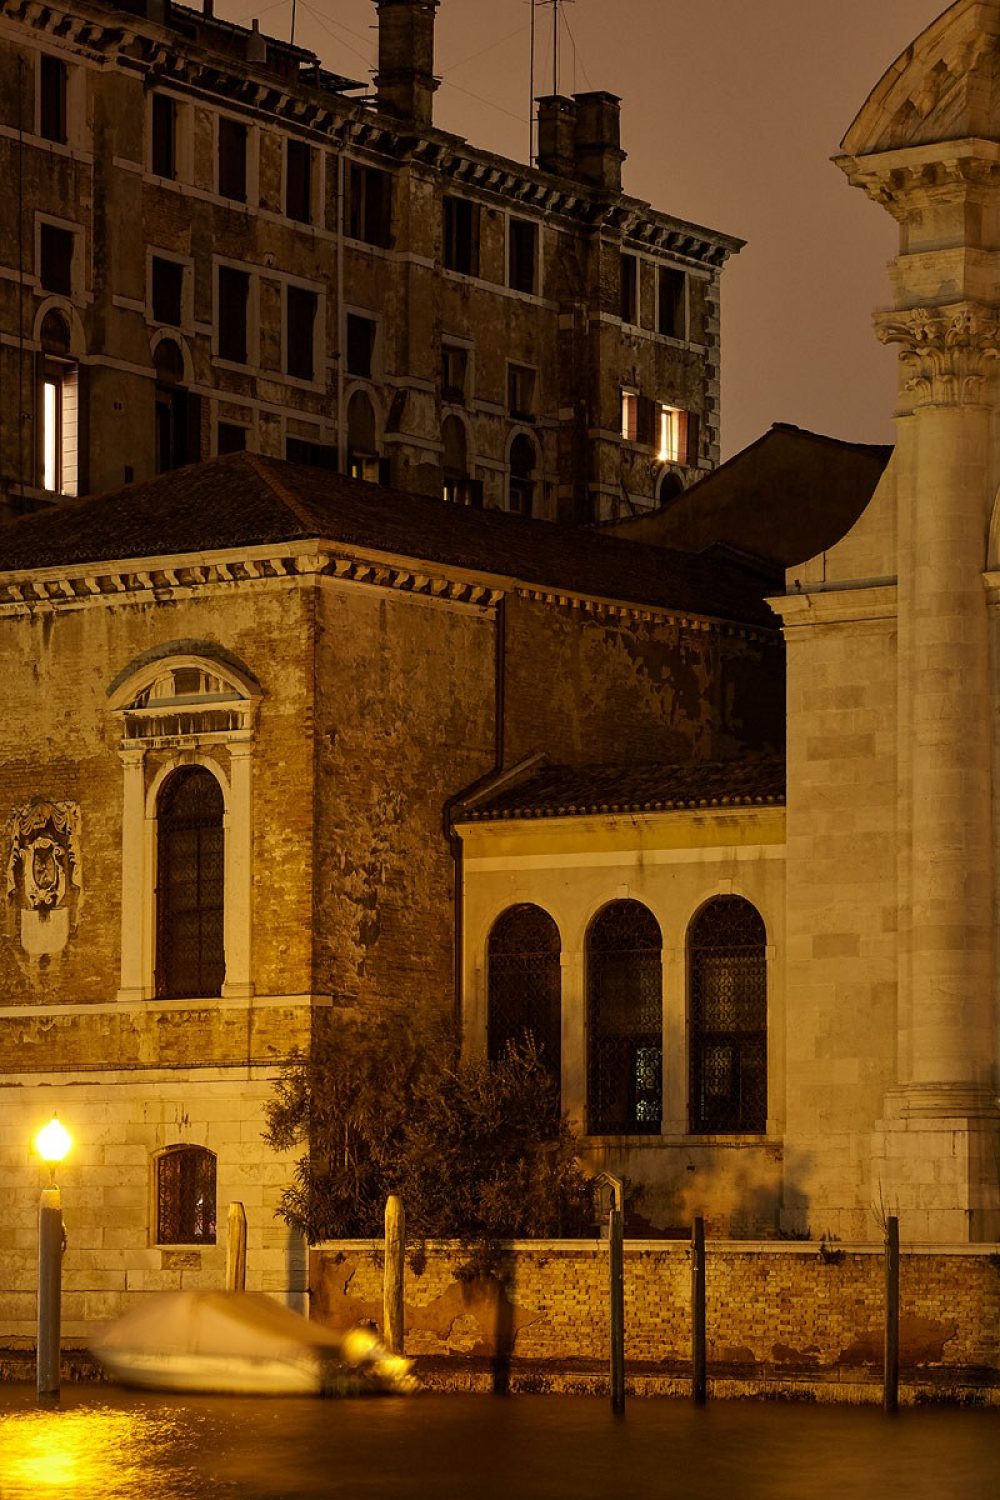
<point x="531" y="90"/>
<point x="395" y="1246"/>
<point x="890" y="1396"/>
<point x="555" y="46"/>
<point x="50" y="1253"/>
<point x="699" y="1383"/>
<point x="616" y="1261"/>
<point x="236" y="1248"/>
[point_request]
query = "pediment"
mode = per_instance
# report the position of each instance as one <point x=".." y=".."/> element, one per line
<point x="944" y="87"/>
<point x="181" y="696"/>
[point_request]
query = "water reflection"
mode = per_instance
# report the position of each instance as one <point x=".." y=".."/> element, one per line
<point x="96" y="1451"/>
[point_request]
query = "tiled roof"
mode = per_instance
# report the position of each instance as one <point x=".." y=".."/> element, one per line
<point x="244" y="500"/>
<point x="568" y="791"/>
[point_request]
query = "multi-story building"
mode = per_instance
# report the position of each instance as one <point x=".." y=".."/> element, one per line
<point x="213" y="243"/>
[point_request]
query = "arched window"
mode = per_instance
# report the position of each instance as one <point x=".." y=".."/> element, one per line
<point x="458" y="488"/>
<point x="190" y="886"/>
<point x="670" y="486"/>
<point x="524" y="983"/>
<point x="178" y="412"/>
<point x="523" y="473"/>
<point x="625" y="1021"/>
<point x="185" y="1196"/>
<point x="59" y="399"/>
<point x="362" y="438"/>
<point x="727" y="969"/>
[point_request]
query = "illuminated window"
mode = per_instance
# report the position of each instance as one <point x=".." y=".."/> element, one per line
<point x="672" y="435"/>
<point x="630" y="416"/>
<point x="60" y="398"/>
<point x="185" y="1196"/>
<point x="625" y="1021"/>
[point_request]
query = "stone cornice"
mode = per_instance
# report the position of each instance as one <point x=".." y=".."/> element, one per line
<point x="36" y="591"/>
<point x="866" y="603"/>
<point x="949" y="349"/>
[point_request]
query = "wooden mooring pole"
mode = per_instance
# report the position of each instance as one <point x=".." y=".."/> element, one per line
<point x="392" y="1297"/>
<point x="699" y="1383"/>
<point x="616" y="1263"/>
<point x="890" y="1394"/>
<point x="236" y="1248"/>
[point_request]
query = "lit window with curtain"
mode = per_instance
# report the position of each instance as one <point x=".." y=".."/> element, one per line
<point x="727" y="976"/>
<point x="524" y="983"/>
<point x="625" y="1021"/>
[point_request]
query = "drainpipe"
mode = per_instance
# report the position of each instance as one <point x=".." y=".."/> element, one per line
<point x="341" y="332"/>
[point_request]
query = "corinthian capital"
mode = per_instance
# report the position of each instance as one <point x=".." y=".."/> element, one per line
<point x="948" y="349"/>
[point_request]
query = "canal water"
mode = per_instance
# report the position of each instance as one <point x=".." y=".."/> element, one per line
<point x="109" y="1445"/>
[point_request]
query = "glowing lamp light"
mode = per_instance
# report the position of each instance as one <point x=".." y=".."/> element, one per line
<point x="53" y="1142"/>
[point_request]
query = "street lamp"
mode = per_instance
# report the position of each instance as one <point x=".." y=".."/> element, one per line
<point x="52" y="1143"/>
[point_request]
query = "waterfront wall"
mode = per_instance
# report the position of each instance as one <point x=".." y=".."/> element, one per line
<point x="794" y="1317"/>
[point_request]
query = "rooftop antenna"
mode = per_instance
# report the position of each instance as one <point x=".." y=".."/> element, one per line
<point x="556" y="20"/>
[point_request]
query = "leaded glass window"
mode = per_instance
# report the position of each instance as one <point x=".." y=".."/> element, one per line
<point x="727" y="965"/>
<point x="190" y="954"/>
<point x="524" y="983"/>
<point x="185" y="1196"/>
<point x="625" y="1020"/>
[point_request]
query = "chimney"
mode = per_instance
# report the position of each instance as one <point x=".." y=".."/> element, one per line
<point x="597" y="146"/>
<point x="556" y="135"/>
<point x="256" y="45"/>
<point x="405" y="79"/>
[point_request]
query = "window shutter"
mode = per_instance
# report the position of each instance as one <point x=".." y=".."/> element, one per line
<point x="193" y="429"/>
<point x="645" y="427"/>
<point x="693" y="439"/>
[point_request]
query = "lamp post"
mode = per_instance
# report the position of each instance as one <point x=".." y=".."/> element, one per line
<point x="52" y="1144"/>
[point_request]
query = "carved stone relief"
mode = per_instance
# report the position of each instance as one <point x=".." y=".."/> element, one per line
<point x="949" y="350"/>
<point x="44" y="872"/>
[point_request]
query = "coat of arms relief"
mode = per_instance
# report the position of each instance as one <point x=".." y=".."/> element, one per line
<point x="44" y="872"/>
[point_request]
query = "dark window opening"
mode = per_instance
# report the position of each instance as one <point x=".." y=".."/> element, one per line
<point x="185" y="1197"/>
<point x="523" y="466"/>
<point x="461" y="235"/>
<point x="167" y="289"/>
<point x="178" y="423"/>
<point x="727" y="968"/>
<point x="163" y="153"/>
<point x="362" y="440"/>
<point x="458" y="488"/>
<point x="630" y="289"/>
<point x="230" y="437"/>
<point x="454" y="372"/>
<point x="522" y="264"/>
<point x="234" y="298"/>
<point x="369" y="205"/>
<point x="524" y="984"/>
<point x="55" y="254"/>
<point x="672" y="317"/>
<point x="301" y="329"/>
<point x="52" y="79"/>
<point x="360" y="345"/>
<point x="625" y="1021"/>
<point x="298" y="182"/>
<point x="521" y="392"/>
<point x="670" y="487"/>
<point x="306" y="451"/>
<point x="190" y="955"/>
<point x="232" y="159"/>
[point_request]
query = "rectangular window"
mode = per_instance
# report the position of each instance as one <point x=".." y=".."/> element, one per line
<point x="233" y="305"/>
<point x="461" y="235"/>
<point x="300" y="359"/>
<point x="167" y="278"/>
<point x="522" y="261"/>
<point x="232" y="159"/>
<point x="60" y="427"/>
<point x="454" y="372"/>
<point x="672" y="301"/>
<point x="52" y="79"/>
<point x="673" y="424"/>
<point x="630" y="416"/>
<point x="630" y="289"/>
<point x="521" y="392"/>
<point x="163" y="142"/>
<point x="305" y="451"/>
<point x="55" y="257"/>
<point x="368" y="210"/>
<point x="360" y="345"/>
<point x="230" y="437"/>
<point x="298" y="181"/>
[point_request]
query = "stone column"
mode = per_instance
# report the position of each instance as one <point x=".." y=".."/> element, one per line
<point x="134" y="876"/>
<point x="238" y="877"/>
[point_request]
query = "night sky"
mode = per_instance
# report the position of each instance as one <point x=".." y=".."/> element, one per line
<point x="731" y="111"/>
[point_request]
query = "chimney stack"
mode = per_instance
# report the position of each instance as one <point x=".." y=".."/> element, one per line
<point x="556" y="135"/>
<point x="405" y="79"/>
<point x="256" y="45"/>
<point x="597" y="146"/>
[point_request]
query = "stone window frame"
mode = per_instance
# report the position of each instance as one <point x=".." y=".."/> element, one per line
<point x="174" y="1148"/>
<point x="181" y="727"/>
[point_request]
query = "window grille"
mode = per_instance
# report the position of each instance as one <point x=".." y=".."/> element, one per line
<point x="625" y="1019"/>
<point x="185" y="1197"/>
<point x="727" y="965"/>
<point x="524" y="983"/>
<point x="190" y="954"/>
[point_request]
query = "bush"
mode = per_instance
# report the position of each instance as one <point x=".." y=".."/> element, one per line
<point x="476" y="1151"/>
